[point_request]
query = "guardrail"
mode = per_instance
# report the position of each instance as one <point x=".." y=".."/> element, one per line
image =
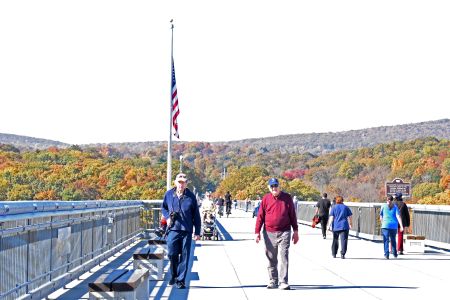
<point x="46" y="244"/>
<point x="431" y="221"/>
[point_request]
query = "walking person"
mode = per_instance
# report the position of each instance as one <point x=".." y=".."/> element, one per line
<point x="406" y="220"/>
<point x="181" y="211"/>
<point x="276" y="216"/>
<point x="340" y="224"/>
<point x="208" y="206"/>
<point x="390" y="222"/>
<point x="323" y="211"/>
<point x="228" y="203"/>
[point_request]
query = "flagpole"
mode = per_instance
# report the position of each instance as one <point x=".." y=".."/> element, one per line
<point x="169" y="143"/>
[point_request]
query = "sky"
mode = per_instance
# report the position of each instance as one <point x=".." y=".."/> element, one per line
<point x="92" y="71"/>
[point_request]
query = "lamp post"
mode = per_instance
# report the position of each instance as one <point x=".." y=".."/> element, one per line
<point x="181" y="163"/>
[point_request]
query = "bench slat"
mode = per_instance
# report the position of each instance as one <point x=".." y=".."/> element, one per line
<point x="148" y="253"/>
<point x="157" y="242"/>
<point x="104" y="282"/>
<point x="130" y="280"/>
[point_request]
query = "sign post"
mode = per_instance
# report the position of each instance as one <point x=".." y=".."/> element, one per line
<point x="398" y="186"/>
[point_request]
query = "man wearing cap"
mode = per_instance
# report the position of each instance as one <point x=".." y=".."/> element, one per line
<point x="181" y="211"/>
<point x="276" y="216"/>
<point x="404" y="215"/>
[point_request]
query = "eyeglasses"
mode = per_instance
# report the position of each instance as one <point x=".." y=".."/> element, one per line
<point x="274" y="186"/>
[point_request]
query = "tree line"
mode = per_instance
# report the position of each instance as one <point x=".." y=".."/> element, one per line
<point x="105" y="173"/>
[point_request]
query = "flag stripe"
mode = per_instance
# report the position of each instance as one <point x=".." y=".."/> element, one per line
<point x="175" y="108"/>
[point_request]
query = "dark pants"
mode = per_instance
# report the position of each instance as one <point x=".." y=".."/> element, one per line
<point x="343" y="234"/>
<point x="323" y="225"/>
<point x="179" y="250"/>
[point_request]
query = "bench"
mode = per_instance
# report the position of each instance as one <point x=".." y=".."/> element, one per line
<point x="414" y="243"/>
<point x="120" y="284"/>
<point x="158" y="243"/>
<point x="150" y="258"/>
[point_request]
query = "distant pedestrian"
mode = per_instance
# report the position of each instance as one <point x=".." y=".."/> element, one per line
<point x="406" y="221"/>
<point x="323" y="211"/>
<point x="235" y="204"/>
<point x="340" y="223"/>
<point x="247" y="204"/>
<point x="276" y="216"/>
<point x="228" y="203"/>
<point x="181" y="212"/>
<point x="390" y="222"/>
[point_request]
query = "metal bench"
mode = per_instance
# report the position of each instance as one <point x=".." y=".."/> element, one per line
<point x="121" y="284"/>
<point x="158" y="243"/>
<point x="152" y="259"/>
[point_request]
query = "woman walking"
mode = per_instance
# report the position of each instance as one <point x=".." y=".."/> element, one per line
<point x="340" y="223"/>
<point x="390" y="221"/>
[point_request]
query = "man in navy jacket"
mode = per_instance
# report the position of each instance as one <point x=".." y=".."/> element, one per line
<point x="181" y="211"/>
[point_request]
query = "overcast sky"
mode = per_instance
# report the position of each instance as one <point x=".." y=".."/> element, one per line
<point x="99" y="71"/>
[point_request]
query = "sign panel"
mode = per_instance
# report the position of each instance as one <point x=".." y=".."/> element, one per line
<point x="398" y="186"/>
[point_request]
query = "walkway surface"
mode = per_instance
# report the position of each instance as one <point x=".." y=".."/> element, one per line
<point x="236" y="268"/>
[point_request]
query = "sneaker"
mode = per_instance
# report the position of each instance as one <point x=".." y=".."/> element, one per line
<point x="181" y="285"/>
<point x="272" y="285"/>
<point x="342" y="256"/>
<point x="386" y="256"/>
<point x="284" y="286"/>
<point x="172" y="281"/>
<point x="401" y="252"/>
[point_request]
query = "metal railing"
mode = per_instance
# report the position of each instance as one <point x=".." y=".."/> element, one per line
<point x="431" y="221"/>
<point x="46" y="244"/>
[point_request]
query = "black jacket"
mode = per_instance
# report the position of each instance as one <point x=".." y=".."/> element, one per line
<point x="404" y="213"/>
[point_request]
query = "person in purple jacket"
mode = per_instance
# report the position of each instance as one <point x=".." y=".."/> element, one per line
<point x="276" y="216"/>
<point x="340" y="223"/>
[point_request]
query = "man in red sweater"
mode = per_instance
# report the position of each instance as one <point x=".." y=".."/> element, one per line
<point x="277" y="214"/>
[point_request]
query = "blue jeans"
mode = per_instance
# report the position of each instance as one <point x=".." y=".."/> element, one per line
<point x="179" y="250"/>
<point x="389" y="234"/>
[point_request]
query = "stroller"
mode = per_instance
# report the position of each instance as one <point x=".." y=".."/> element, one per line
<point x="209" y="227"/>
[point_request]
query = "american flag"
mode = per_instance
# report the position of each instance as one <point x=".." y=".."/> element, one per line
<point x="175" y="108"/>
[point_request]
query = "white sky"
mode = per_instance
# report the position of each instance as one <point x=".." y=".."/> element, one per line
<point x="99" y="71"/>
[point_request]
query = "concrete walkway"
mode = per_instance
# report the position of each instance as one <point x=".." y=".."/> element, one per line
<point x="236" y="268"/>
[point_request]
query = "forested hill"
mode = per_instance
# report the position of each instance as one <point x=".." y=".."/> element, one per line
<point x="321" y="143"/>
<point x="316" y="143"/>
<point x="29" y="143"/>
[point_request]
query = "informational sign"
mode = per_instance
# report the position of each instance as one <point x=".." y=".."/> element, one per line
<point x="398" y="186"/>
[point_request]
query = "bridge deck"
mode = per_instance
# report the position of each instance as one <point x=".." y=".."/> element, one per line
<point x="236" y="268"/>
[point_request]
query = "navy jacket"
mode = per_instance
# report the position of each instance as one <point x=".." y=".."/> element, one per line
<point x="187" y="208"/>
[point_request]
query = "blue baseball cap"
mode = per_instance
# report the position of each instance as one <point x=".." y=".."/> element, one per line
<point x="273" y="181"/>
<point x="398" y="195"/>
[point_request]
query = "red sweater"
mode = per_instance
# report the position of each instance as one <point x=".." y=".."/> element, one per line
<point x="276" y="213"/>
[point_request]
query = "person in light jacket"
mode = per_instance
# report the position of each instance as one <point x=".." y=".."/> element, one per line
<point x="390" y="222"/>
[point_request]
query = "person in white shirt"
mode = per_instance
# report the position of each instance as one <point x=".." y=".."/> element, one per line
<point x="208" y="205"/>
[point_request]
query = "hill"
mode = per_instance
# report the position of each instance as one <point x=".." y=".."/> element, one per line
<point x="321" y="143"/>
<point x="29" y="143"/>
<point x="315" y="143"/>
